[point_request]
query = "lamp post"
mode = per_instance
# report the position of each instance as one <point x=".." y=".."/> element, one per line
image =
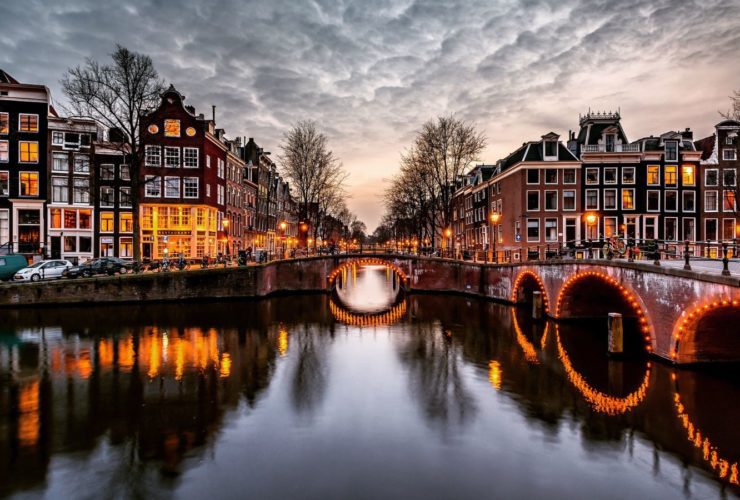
<point x="495" y="217"/>
<point x="448" y="235"/>
<point x="283" y="227"/>
<point x="590" y="222"/>
<point x="226" y="234"/>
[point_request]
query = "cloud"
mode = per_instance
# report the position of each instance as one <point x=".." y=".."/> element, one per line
<point x="371" y="71"/>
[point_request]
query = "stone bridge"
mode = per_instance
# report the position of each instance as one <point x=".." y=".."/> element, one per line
<point x="681" y="316"/>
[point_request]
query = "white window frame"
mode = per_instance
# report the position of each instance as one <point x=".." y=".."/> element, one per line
<point x="152" y="181"/>
<point x="148" y="153"/>
<point x="634" y="175"/>
<point x="57" y="138"/>
<point x="184" y="187"/>
<point x="575" y="176"/>
<point x="665" y="150"/>
<point x="7" y="151"/>
<point x="557" y="227"/>
<point x="7" y="175"/>
<point x="65" y="199"/>
<point x="726" y="157"/>
<point x="616" y="225"/>
<point x="86" y="190"/>
<point x="538" y="200"/>
<point x="107" y="167"/>
<point x="665" y="226"/>
<point x="683" y="228"/>
<point x="732" y="209"/>
<point x="585" y="176"/>
<point x="527" y="177"/>
<point x="665" y="202"/>
<point x="38" y="153"/>
<point x="167" y="178"/>
<point x="20" y="182"/>
<point x="185" y="152"/>
<point x="734" y="177"/>
<point x="168" y="156"/>
<point x="7" y="120"/>
<point x="683" y="201"/>
<point x="124" y="167"/>
<point x="575" y="200"/>
<point x="544" y="200"/>
<point x="706" y="177"/>
<point x="647" y="175"/>
<point x="716" y="201"/>
<point x="113" y="192"/>
<point x="539" y="230"/>
<point x="81" y="157"/>
<point x="38" y="123"/>
<point x="621" y="199"/>
<point x="124" y="189"/>
<point x="585" y="200"/>
<point x="647" y="200"/>
<point x="616" y="199"/>
<point x="616" y="176"/>
<point x="557" y="177"/>
<point x="719" y="229"/>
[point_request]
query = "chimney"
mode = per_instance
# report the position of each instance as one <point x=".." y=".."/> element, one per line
<point x="688" y="134"/>
<point x="213" y="109"/>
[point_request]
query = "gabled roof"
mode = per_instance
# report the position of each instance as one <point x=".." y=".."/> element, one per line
<point x="708" y="148"/>
<point x="728" y="123"/>
<point x="6" y="78"/>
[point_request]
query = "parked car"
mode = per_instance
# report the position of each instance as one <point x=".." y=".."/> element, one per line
<point x="102" y="265"/>
<point x="10" y="264"/>
<point x="44" y="270"/>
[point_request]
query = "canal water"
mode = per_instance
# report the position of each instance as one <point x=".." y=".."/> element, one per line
<point x="365" y="393"/>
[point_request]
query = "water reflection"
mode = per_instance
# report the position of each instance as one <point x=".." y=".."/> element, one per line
<point x="263" y="398"/>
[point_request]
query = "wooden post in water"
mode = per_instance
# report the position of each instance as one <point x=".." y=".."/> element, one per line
<point x="616" y="334"/>
<point x="537" y="305"/>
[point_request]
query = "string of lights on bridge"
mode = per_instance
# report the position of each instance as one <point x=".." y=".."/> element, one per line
<point x="691" y="319"/>
<point x="389" y="317"/>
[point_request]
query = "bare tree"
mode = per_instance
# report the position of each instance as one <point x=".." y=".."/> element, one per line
<point x="117" y="95"/>
<point x="313" y="170"/>
<point x="734" y="112"/>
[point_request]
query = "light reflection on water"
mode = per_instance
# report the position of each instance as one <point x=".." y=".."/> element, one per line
<point x="297" y="397"/>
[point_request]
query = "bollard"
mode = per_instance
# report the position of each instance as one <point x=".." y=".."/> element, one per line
<point x="725" y="261"/>
<point x="537" y="305"/>
<point x="616" y="334"/>
<point x="616" y="376"/>
<point x="686" y="263"/>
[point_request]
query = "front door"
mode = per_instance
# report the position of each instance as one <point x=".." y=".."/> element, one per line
<point x="56" y="247"/>
<point x="631" y="229"/>
<point x="570" y="231"/>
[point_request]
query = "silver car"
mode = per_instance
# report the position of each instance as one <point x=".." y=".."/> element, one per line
<point x="44" y="270"/>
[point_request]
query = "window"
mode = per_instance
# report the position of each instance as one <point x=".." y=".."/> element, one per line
<point x="152" y="186"/>
<point x="59" y="190"/>
<point x="107" y="196"/>
<point x="171" y="157"/>
<point x="59" y="162"/>
<point x="172" y="128"/>
<point x="208" y="161"/>
<point x="126" y="248"/>
<point x="592" y="176"/>
<point x="533" y="230"/>
<point x="551" y="149"/>
<point x="671" y="229"/>
<point x="688" y="177"/>
<point x="4" y="127"/>
<point x="106" y="222"/>
<point x="628" y="199"/>
<point x="126" y="222"/>
<point x="107" y="172"/>
<point x="729" y="177"/>
<point x="190" y="157"/>
<point x="653" y="175"/>
<point x="711" y="230"/>
<point x="4" y="184"/>
<point x="653" y="201"/>
<point x="29" y="183"/>
<point x="551" y="176"/>
<point x="688" y="229"/>
<point x="28" y="123"/>
<point x="533" y="201"/>
<point x="610" y="227"/>
<point x="728" y="201"/>
<point x="81" y="190"/>
<point x="124" y="172"/>
<point x="70" y="219"/>
<point x="106" y="247"/>
<point x="85" y="219"/>
<point x="171" y="187"/>
<point x="124" y="197"/>
<point x="671" y="201"/>
<point x="153" y="156"/>
<point x="4" y="151"/>
<point x="728" y="229"/>
<point x="628" y="175"/>
<point x="28" y="152"/>
<point x="689" y="201"/>
<point x="85" y="244"/>
<point x="610" y="199"/>
<point x="190" y="187"/>
<point x="610" y="175"/>
<point x="208" y="190"/>
<point x="729" y="154"/>
<point x="569" y="200"/>
<point x="671" y="151"/>
<point x="670" y="175"/>
<point x="651" y="228"/>
<point x="711" y="201"/>
<point x="57" y="138"/>
<point x="551" y="230"/>
<point x="82" y="164"/>
<point x="55" y="218"/>
<point x="569" y="176"/>
<point x="711" y="177"/>
<point x="533" y="176"/>
<point x="592" y="199"/>
<point x="551" y="200"/>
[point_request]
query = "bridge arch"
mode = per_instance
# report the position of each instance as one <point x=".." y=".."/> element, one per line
<point x="525" y="283"/>
<point x="708" y="332"/>
<point x="605" y="295"/>
<point x="389" y="317"/>
<point x="368" y="261"/>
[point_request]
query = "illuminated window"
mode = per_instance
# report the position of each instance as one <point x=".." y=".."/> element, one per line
<point x="29" y="183"/>
<point x="55" y="216"/>
<point x="610" y="226"/>
<point x="670" y="175"/>
<point x="152" y="186"/>
<point x="728" y="203"/>
<point x="126" y="222"/>
<point x="190" y="187"/>
<point x="126" y="248"/>
<point x="85" y="220"/>
<point x="4" y="123"/>
<point x="628" y="199"/>
<point x="653" y="175"/>
<point x="4" y="152"/>
<point x="147" y="218"/>
<point x="190" y="157"/>
<point x="59" y="190"/>
<point x="106" y="247"/>
<point x="172" y="128"/>
<point x="28" y="152"/>
<point x="171" y="187"/>
<point x="28" y="123"/>
<point x="106" y="222"/>
<point x="70" y="219"/>
<point x="153" y="156"/>
<point x="171" y="157"/>
<point x="688" y="175"/>
<point x="4" y="184"/>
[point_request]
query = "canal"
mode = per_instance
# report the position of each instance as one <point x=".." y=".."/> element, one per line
<point x="363" y="393"/>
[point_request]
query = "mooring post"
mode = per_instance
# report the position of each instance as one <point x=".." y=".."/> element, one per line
<point x="537" y="305"/>
<point x="616" y="334"/>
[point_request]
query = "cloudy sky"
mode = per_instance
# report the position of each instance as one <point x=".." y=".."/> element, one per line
<point x="371" y="71"/>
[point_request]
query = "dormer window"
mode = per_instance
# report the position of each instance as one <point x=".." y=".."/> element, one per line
<point x="671" y="151"/>
<point x="611" y="140"/>
<point x="551" y="150"/>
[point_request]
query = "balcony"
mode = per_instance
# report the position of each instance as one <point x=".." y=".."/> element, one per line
<point x="610" y="148"/>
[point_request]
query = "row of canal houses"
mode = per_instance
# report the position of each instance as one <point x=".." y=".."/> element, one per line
<point x="66" y="187"/>
<point x="554" y="193"/>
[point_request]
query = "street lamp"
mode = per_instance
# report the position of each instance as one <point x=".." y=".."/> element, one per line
<point x="226" y="233"/>
<point x="448" y="235"/>
<point x="495" y="217"/>
<point x="283" y="227"/>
